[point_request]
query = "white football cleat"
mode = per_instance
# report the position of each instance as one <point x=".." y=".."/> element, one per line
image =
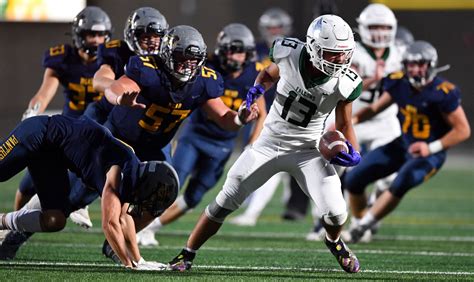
<point x="316" y="236"/>
<point x="81" y="218"/>
<point x="243" y="220"/>
<point x="146" y="238"/>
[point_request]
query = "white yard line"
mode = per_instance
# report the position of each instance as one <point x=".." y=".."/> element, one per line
<point x="243" y="268"/>
<point x="281" y="250"/>
<point x="293" y="235"/>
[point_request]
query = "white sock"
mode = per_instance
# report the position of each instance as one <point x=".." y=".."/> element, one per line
<point x="368" y="220"/>
<point x="23" y="220"/>
<point x="155" y="225"/>
<point x="190" y="250"/>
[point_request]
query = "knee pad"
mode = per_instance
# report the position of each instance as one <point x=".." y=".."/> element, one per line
<point x="335" y="220"/>
<point x="217" y="213"/>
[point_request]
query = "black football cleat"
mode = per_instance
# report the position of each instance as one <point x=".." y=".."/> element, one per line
<point x="11" y="243"/>
<point x="345" y="257"/>
<point x="182" y="262"/>
<point x="109" y="253"/>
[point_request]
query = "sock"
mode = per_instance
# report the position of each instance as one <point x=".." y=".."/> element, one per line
<point x="367" y="221"/>
<point x="23" y="220"/>
<point x="331" y="240"/>
<point x="155" y="225"/>
<point x="190" y="250"/>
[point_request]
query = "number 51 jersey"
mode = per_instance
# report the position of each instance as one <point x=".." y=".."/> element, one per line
<point x="303" y="103"/>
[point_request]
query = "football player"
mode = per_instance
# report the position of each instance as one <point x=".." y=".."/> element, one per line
<point x="50" y="147"/>
<point x="432" y="121"/>
<point x="157" y="94"/>
<point x="72" y="66"/>
<point x="273" y="23"/>
<point x="374" y="58"/>
<point x="306" y="75"/>
<point x="143" y="31"/>
<point x="204" y="147"/>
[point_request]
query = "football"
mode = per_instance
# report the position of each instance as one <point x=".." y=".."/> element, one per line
<point x="331" y="143"/>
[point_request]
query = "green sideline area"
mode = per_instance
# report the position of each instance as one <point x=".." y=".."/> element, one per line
<point x="430" y="237"/>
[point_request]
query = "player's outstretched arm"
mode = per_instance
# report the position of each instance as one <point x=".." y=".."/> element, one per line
<point x="370" y="111"/>
<point x="103" y="78"/>
<point x="45" y="94"/>
<point x="124" y="92"/>
<point x="227" y="118"/>
<point x="111" y="212"/>
<point x="262" y="114"/>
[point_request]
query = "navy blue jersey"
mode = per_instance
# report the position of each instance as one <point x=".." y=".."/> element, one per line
<point x="263" y="53"/>
<point x="166" y="109"/>
<point x="91" y="150"/>
<point x="50" y="146"/>
<point x="116" y="54"/>
<point x="421" y="113"/>
<point x="74" y="76"/>
<point x="235" y="92"/>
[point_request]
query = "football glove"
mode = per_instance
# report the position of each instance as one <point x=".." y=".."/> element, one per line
<point x="253" y="94"/>
<point x="31" y="112"/>
<point x="149" y="265"/>
<point x="351" y="158"/>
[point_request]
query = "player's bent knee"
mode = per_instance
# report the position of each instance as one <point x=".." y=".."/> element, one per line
<point x="335" y="220"/>
<point x="52" y="220"/>
<point x="217" y="213"/>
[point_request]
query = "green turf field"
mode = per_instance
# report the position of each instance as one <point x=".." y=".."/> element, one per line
<point x="430" y="237"/>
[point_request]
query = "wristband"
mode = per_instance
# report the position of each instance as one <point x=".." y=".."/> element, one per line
<point x="435" y="147"/>
<point x="117" y="101"/>
<point x="237" y="120"/>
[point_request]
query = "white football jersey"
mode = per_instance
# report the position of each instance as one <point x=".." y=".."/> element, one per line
<point x="385" y="125"/>
<point x="297" y="117"/>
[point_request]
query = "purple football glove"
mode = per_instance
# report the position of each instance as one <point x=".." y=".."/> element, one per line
<point x="254" y="93"/>
<point x="347" y="159"/>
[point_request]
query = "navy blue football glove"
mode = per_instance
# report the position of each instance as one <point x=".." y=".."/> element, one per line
<point x="254" y="93"/>
<point x="351" y="158"/>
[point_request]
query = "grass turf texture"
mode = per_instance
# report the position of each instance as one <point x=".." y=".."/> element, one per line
<point x="429" y="237"/>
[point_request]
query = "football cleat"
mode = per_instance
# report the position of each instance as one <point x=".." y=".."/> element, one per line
<point x="356" y="235"/>
<point x="81" y="218"/>
<point x="318" y="233"/>
<point x="243" y="220"/>
<point x="108" y="252"/>
<point x="146" y="238"/>
<point x="345" y="257"/>
<point x="182" y="262"/>
<point x="12" y="242"/>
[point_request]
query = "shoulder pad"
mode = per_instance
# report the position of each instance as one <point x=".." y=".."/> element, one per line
<point x="396" y="75"/>
<point x="142" y="69"/>
<point x="259" y="66"/>
<point x="55" y="55"/>
<point x="213" y="82"/>
<point x="446" y="87"/>
<point x="348" y="83"/>
<point x="113" y="44"/>
<point x="282" y="48"/>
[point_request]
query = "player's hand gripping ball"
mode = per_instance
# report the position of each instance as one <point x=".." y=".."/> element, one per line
<point x="331" y="144"/>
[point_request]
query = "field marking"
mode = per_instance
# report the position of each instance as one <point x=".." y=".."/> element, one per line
<point x="290" y="235"/>
<point x="281" y="250"/>
<point x="243" y="268"/>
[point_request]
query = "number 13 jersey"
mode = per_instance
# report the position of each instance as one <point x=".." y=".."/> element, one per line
<point x="303" y="103"/>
